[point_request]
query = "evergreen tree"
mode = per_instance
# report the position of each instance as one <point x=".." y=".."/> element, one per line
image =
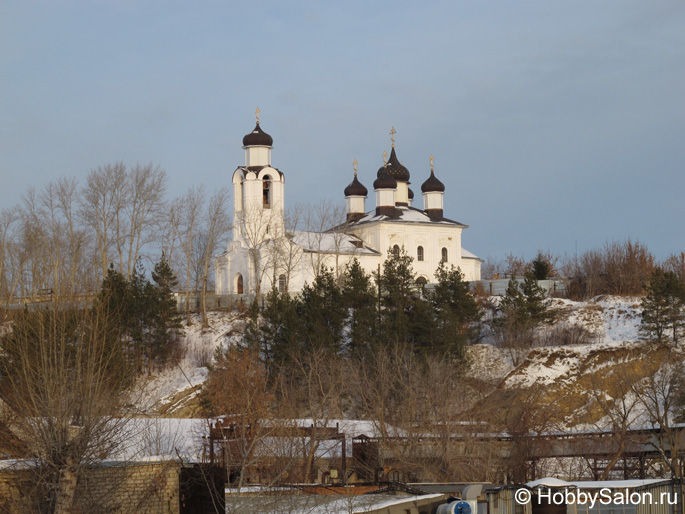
<point x="322" y="314"/>
<point x="166" y="322"/>
<point x="398" y="293"/>
<point x="359" y="298"/>
<point x="541" y="267"/>
<point x="113" y="298"/>
<point x="536" y="304"/>
<point x="522" y="309"/>
<point x="274" y="331"/>
<point x="141" y="302"/>
<point x="457" y="314"/>
<point x="663" y="307"/>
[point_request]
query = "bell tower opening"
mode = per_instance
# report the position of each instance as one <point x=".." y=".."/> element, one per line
<point x="266" y="192"/>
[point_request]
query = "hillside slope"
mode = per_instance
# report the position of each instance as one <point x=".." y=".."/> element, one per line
<point x="565" y="378"/>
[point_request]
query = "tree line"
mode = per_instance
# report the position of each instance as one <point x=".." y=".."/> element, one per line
<point x="353" y="314"/>
<point x="618" y="268"/>
<point x="61" y="241"/>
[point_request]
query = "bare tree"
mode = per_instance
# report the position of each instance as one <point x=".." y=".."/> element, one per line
<point x="143" y="208"/>
<point x="189" y="232"/>
<point x="676" y="264"/>
<point x="62" y="378"/>
<point x="314" y="388"/>
<point x="325" y="233"/>
<point x="215" y="226"/>
<point x="290" y="253"/>
<point x="169" y="226"/>
<point x="101" y="205"/>
<point x="250" y="436"/>
<point x="620" y="407"/>
<point x="122" y="207"/>
<point x="8" y="278"/>
<point x="661" y="396"/>
<point x="423" y="410"/>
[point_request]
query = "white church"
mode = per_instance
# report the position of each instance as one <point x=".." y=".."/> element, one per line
<point x="265" y="251"/>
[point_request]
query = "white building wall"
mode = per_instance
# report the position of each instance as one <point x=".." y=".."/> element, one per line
<point x="432" y="200"/>
<point x="355" y="204"/>
<point x="402" y="195"/>
<point x="257" y="156"/>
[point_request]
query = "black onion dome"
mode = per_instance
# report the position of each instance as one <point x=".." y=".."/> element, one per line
<point x="395" y="168"/>
<point x="258" y="138"/>
<point x="356" y="188"/>
<point x="384" y="180"/>
<point x="410" y="193"/>
<point x="432" y="185"/>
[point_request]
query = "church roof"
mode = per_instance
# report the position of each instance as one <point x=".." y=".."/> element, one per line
<point x="356" y="188"/>
<point x="465" y="254"/>
<point x="258" y="138"/>
<point x="395" y="168"/>
<point x="384" y="180"/>
<point x="406" y="215"/>
<point x="432" y="185"/>
<point x="332" y="242"/>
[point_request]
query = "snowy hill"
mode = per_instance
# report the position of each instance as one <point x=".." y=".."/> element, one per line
<point x="610" y="325"/>
<point x="173" y="392"/>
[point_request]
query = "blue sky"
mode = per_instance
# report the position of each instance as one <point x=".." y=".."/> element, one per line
<point x="553" y="124"/>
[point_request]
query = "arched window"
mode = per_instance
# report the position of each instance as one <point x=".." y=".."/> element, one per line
<point x="419" y="253"/>
<point x="396" y="251"/>
<point x="281" y="284"/>
<point x="266" y="191"/>
<point x="421" y="282"/>
<point x="239" y="284"/>
<point x="444" y="255"/>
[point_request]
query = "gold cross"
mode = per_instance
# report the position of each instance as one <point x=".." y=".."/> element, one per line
<point x="431" y="164"/>
<point x="385" y="157"/>
<point x="257" y="113"/>
<point x="355" y="167"/>
<point x="392" y="136"/>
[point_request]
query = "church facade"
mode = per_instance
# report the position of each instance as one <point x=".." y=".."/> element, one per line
<point x="265" y="252"/>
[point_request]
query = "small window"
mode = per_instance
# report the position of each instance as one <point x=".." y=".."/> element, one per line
<point x="266" y="191"/>
<point x="444" y="255"/>
<point x="281" y="284"/>
<point x="419" y="253"/>
<point x="396" y="251"/>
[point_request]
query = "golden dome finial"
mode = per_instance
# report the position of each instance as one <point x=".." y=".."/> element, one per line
<point x="431" y="159"/>
<point x="392" y="136"/>
<point x="257" y="114"/>
<point x="355" y="167"/>
<point x="385" y="157"/>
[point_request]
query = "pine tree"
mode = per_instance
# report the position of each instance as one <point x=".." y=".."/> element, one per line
<point x="141" y="303"/>
<point x="663" y="307"/>
<point x="398" y="292"/>
<point x="522" y="309"/>
<point x="359" y="298"/>
<point x="166" y="320"/>
<point x="542" y="266"/>
<point x="536" y="304"/>
<point x="322" y="314"/>
<point x="457" y="314"/>
<point x="113" y="298"/>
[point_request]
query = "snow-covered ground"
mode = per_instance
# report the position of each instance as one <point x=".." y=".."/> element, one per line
<point x="611" y="321"/>
<point x="199" y="346"/>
